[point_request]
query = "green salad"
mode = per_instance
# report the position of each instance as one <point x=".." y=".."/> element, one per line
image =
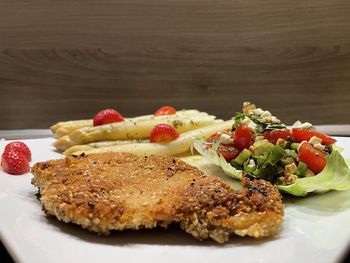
<point x="298" y="160"/>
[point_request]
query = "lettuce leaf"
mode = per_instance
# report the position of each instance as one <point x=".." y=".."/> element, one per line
<point x="211" y="155"/>
<point x="335" y="176"/>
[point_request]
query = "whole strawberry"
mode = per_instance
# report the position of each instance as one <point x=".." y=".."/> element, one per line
<point x="107" y="116"/>
<point x="14" y="162"/>
<point x="18" y="146"/>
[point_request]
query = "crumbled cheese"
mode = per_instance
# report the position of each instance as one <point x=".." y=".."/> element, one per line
<point x="226" y="139"/>
<point x="316" y="142"/>
<point x="265" y="119"/>
<point x="252" y="125"/>
<point x="296" y="124"/>
<point x="251" y="163"/>
<point x="319" y="146"/>
<point x="249" y="123"/>
<point x="269" y="119"/>
<point x="300" y="125"/>
<point x="305" y="125"/>
<point x="246" y="121"/>
<point x="266" y="114"/>
<point x="257" y="111"/>
<point x="275" y="120"/>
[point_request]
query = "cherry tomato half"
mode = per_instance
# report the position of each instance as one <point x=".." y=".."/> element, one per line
<point x="228" y="151"/>
<point x="165" y="110"/>
<point x="314" y="158"/>
<point x="305" y="135"/>
<point x="274" y="135"/>
<point x="243" y="137"/>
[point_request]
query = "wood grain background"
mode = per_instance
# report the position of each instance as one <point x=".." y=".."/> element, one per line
<point x="62" y="60"/>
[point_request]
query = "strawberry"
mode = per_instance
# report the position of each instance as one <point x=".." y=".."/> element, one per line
<point x="14" y="162"/>
<point x="165" y="110"/>
<point x="107" y="116"/>
<point x="18" y="146"/>
<point x="163" y="133"/>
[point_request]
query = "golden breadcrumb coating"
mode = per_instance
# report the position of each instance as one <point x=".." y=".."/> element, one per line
<point x="116" y="191"/>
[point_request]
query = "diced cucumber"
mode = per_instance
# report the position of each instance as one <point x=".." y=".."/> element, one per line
<point x="291" y="153"/>
<point x="302" y="169"/>
<point x="276" y="154"/>
<point x="243" y="156"/>
<point x="247" y="168"/>
<point x="259" y="160"/>
<point x="262" y="147"/>
<point x="270" y="157"/>
<point x="294" y="146"/>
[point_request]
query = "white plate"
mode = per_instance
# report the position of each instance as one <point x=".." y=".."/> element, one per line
<point x="316" y="229"/>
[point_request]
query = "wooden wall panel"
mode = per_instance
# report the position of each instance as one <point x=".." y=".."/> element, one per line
<point x="68" y="59"/>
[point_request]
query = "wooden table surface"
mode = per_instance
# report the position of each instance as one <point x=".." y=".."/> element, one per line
<point x="62" y="60"/>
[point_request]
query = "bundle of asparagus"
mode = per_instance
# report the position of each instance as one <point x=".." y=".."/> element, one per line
<point x="132" y="134"/>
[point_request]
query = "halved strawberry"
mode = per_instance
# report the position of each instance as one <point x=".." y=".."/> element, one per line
<point x="14" y="162"/>
<point x="107" y="116"/>
<point x="213" y="137"/>
<point x="163" y="133"/>
<point x="165" y="110"/>
<point x="217" y="135"/>
<point x="18" y="146"/>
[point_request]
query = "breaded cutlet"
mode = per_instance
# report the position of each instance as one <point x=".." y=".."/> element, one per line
<point x="116" y="191"/>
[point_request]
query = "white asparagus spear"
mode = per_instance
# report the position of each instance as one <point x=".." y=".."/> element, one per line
<point x="132" y="130"/>
<point x="77" y="148"/>
<point x="70" y="125"/>
<point x="180" y="145"/>
<point x="117" y="142"/>
<point x="66" y="127"/>
<point x="93" y="145"/>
